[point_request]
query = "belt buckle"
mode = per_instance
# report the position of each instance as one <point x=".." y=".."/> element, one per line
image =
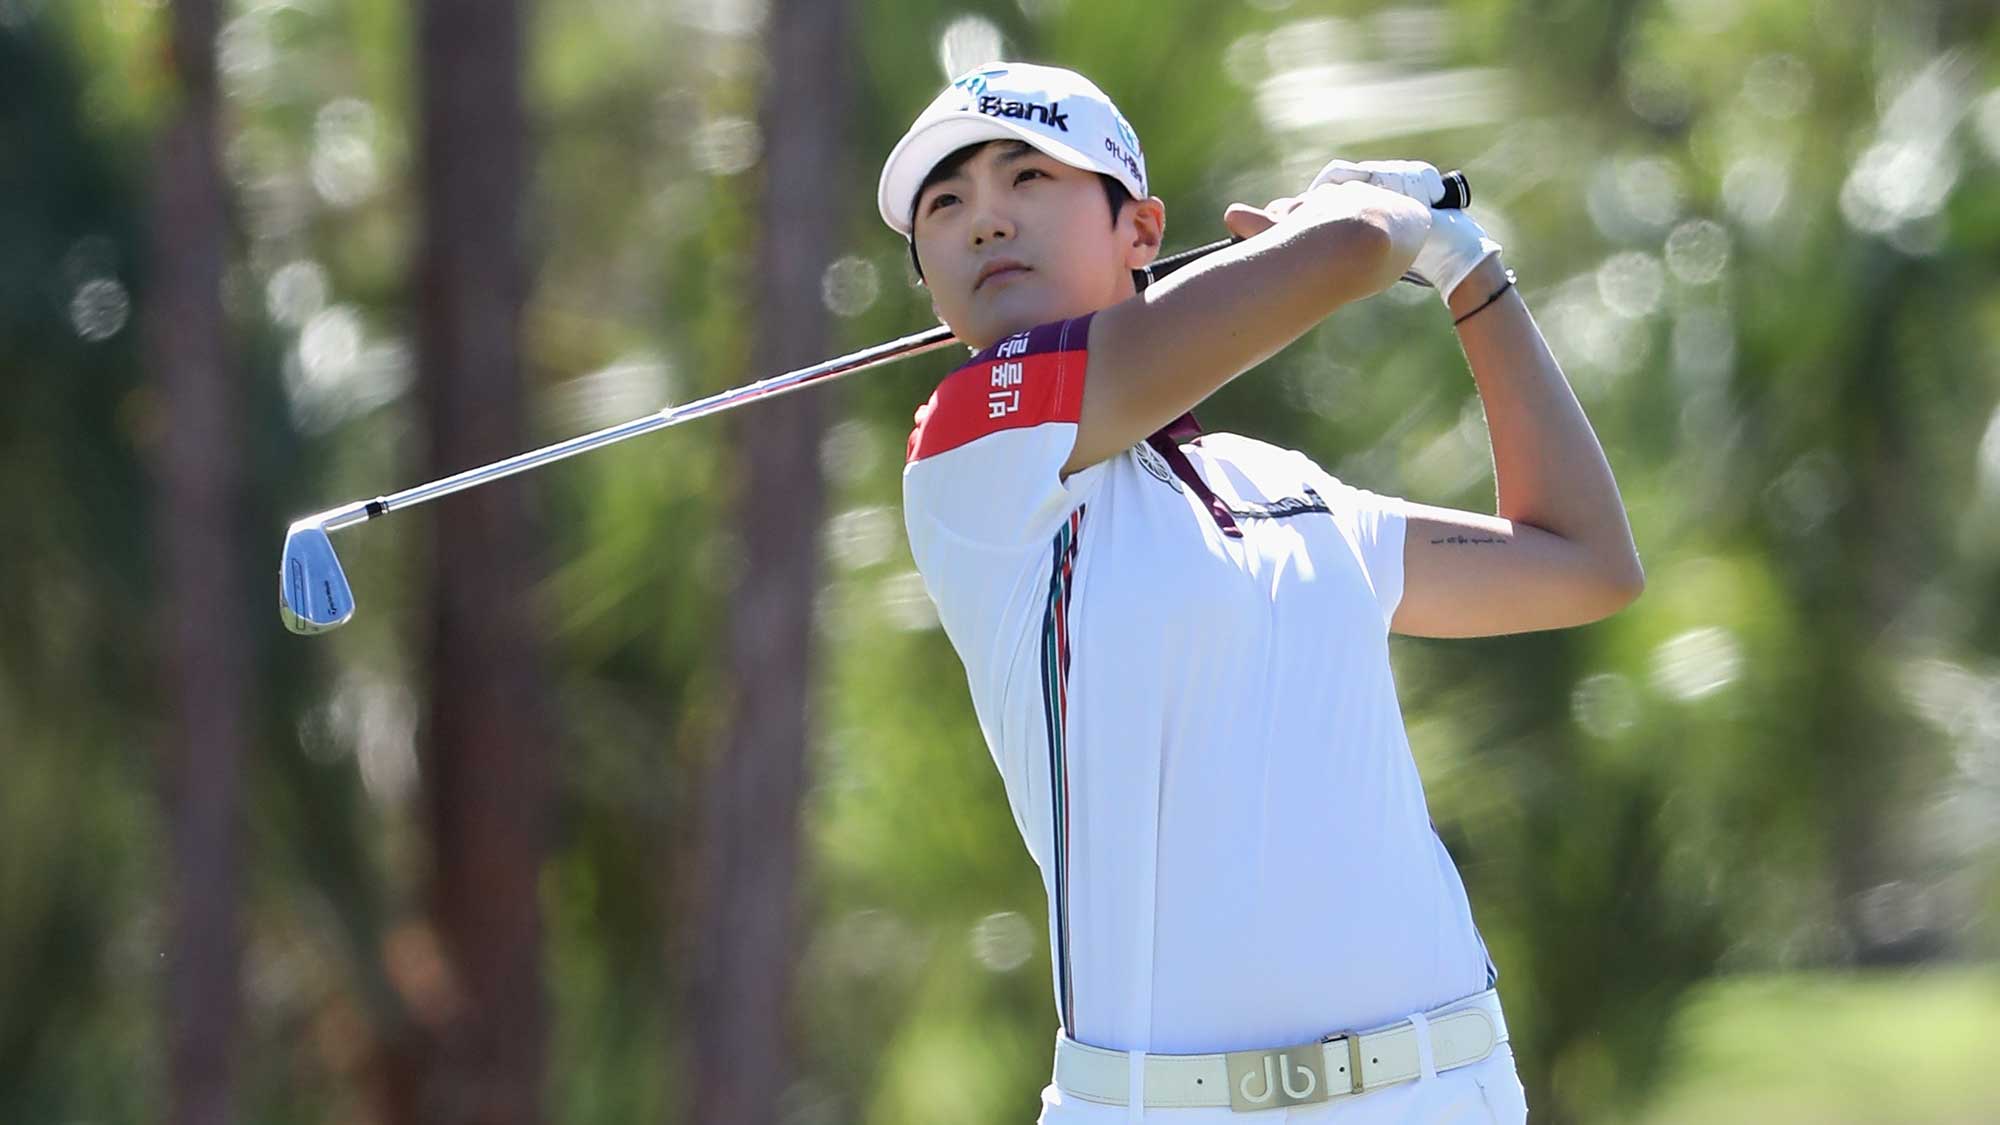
<point x="1286" y="1076"/>
<point x="1353" y="1058"/>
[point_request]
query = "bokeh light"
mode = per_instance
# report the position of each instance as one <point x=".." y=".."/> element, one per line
<point x="967" y="42"/>
<point x="1606" y="705"/>
<point x="295" y="293"/>
<point x="1778" y="86"/>
<point x="1989" y="456"/>
<point x="1698" y="251"/>
<point x="335" y="372"/>
<point x="905" y="603"/>
<point x="1002" y="942"/>
<point x="1756" y="187"/>
<point x="726" y="146"/>
<point x="626" y="388"/>
<point x="851" y="452"/>
<point x="862" y="537"/>
<point x="98" y="309"/>
<point x="850" y="285"/>
<point x="1631" y="284"/>
<point x="345" y="169"/>
<point x="1696" y="664"/>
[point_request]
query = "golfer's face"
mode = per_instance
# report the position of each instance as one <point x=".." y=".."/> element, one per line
<point x="1016" y="238"/>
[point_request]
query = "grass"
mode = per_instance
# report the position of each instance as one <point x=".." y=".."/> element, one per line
<point x="1918" y="1047"/>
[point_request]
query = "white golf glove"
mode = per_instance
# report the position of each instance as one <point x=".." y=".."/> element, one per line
<point x="1455" y="245"/>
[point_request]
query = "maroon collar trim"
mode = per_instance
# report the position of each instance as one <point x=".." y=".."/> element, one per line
<point x="1167" y="443"/>
<point x="1183" y="428"/>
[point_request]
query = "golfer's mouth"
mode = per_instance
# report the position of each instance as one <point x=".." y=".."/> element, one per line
<point x="1001" y="268"/>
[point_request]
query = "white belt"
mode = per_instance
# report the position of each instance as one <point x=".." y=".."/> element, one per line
<point x="1341" y="1065"/>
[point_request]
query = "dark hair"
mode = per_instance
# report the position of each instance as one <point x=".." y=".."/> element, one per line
<point x="1115" y="193"/>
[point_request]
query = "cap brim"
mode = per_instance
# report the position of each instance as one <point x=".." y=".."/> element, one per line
<point x="920" y="150"/>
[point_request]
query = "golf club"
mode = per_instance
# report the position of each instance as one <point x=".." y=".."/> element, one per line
<point x="313" y="594"/>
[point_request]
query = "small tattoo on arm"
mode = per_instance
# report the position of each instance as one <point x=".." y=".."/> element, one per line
<point x="1472" y="540"/>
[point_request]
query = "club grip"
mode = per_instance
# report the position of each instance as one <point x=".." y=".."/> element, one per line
<point x="1457" y="194"/>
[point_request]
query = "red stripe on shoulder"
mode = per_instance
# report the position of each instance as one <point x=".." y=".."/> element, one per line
<point x="1024" y="380"/>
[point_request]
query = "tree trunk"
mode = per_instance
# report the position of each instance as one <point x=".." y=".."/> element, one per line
<point x="488" y="748"/>
<point x="204" y="627"/>
<point x="749" y="852"/>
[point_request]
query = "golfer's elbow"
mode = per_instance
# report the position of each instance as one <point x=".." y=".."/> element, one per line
<point x="1617" y="582"/>
<point x="1357" y="256"/>
<point x="1630" y="581"/>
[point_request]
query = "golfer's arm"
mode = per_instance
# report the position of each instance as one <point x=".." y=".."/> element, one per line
<point x="1558" y="551"/>
<point x="1163" y="351"/>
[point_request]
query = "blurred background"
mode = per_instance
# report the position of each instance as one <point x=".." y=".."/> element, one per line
<point x="646" y="788"/>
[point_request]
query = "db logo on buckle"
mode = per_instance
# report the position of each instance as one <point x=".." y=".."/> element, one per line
<point x="1269" y="1079"/>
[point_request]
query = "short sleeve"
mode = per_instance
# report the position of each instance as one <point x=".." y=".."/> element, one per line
<point x="985" y="459"/>
<point x="984" y="496"/>
<point x="1374" y="525"/>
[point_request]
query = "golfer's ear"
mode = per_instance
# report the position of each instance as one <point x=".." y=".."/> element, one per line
<point x="1148" y="217"/>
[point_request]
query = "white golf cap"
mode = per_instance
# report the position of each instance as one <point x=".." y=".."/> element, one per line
<point x="1058" y="111"/>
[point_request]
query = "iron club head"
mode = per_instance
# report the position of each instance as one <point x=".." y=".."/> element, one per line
<point x="312" y="590"/>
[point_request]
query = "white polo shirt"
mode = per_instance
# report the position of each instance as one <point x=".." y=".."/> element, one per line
<point x="1179" y="659"/>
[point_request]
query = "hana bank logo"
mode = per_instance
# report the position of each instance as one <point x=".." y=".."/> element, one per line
<point x="974" y="83"/>
<point x="1126" y="134"/>
<point x="1125" y="150"/>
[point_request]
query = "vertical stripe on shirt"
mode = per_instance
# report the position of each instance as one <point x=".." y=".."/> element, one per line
<point x="1055" y="708"/>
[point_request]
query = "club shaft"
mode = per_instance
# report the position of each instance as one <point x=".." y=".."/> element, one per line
<point x="930" y="340"/>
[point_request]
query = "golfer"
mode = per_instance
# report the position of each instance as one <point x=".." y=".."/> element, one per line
<point x="1177" y="641"/>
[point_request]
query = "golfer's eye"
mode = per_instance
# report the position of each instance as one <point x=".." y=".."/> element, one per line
<point x="941" y="199"/>
<point x="1025" y="173"/>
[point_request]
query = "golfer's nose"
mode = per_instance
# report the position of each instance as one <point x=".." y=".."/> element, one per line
<point x="990" y="224"/>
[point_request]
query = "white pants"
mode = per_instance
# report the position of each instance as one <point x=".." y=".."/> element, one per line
<point x="1485" y="1093"/>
